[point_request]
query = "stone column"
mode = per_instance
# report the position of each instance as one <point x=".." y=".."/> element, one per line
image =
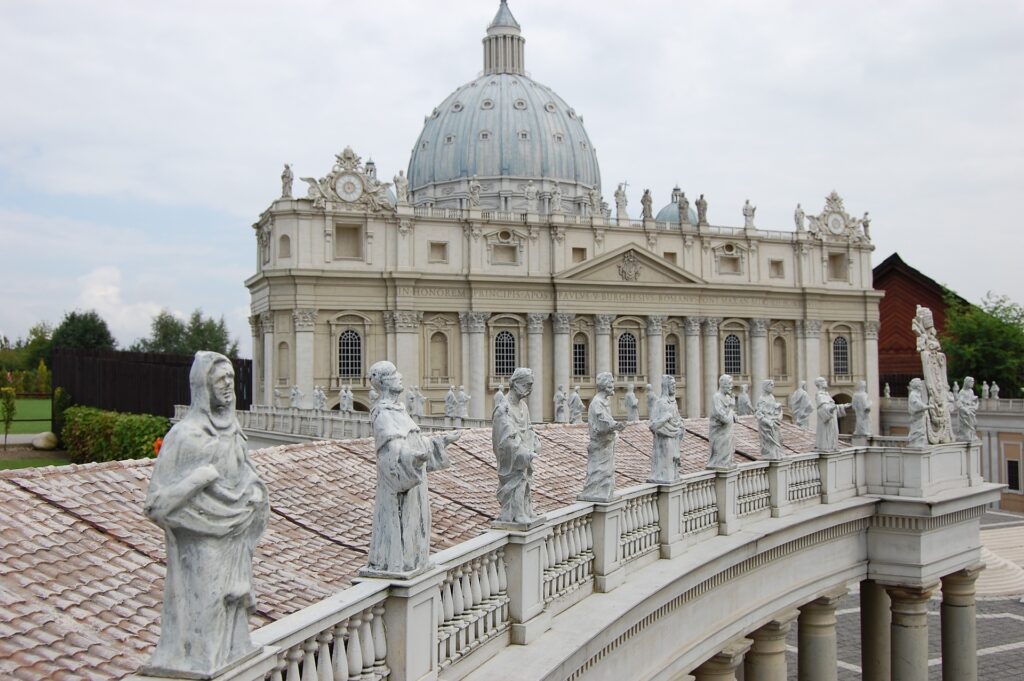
<point x="464" y="354"/>
<point x="766" y="660"/>
<point x="603" y="342"/>
<point x="959" y="637"/>
<point x="257" y="371"/>
<point x="812" y="355"/>
<point x="816" y="655"/>
<point x="691" y="334"/>
<point x="655" y="350"/>
<point x="722" y="667"/>
<point x="758" y="356"/>
<point x="476" y="383"/>
<point x="305" y="323"/>
<point x="535" y="360"/>
<point x="407" y="345"/>
<point x="874" y="631"/>
<point x="909" y="631"/>
<point x="560" y="325"/>
<point x="710" y="360"/>
<point x="871" y="370"/>
<point x="267" y="326"/>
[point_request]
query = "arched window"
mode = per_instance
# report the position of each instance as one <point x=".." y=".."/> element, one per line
<point x="439" y="356"/>
<point x="284" y="247"/>
<point x="672" y="355"/>
<point x="779" y="356"/>
<point x="350" y="354"/>
<point x="579" y="355"/>
<point x="504" y="353"/>
<point x="627" y="354"/>
<point x="841" y="356"/>
<point x="284" y="364"/>
<point x="733" y="355"/>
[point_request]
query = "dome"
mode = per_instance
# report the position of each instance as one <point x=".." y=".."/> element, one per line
<point x="670" y="212"/>
<point x="506" y="129"/>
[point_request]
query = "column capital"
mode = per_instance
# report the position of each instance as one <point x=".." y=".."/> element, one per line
<point x="808" y="328"/>
<point x="778" y="628"/>
<point x="603" y="323"/>
<point x="654" y="323"/>
<point x="958" y="587"/>
<point x="725" y="661"/>
<point x="254" y="324"/>
<point x="406" y="320"/>
<point x="759" y="327"/>
<point x="535" y="322"/>
<point x="691" y="326"/>
<point x="560" y="321"/>
<point x="473" y="321"/>
<point x="711" y="326"/>
<point x="305" y="319"/>
<point x="871" y="330"/>
<point x="267" y="322"/>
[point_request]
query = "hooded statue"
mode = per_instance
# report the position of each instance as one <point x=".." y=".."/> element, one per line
<point x="212" y="506"/>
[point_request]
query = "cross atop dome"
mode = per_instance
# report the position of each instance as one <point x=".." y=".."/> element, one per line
<point x="503" y="45"/>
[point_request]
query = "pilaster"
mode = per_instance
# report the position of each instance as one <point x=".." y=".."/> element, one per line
<point x="710" y="332"/>
<point x="603" y="343"/>
<point x="304" y="322"/>
<point x="655" y="349"/>
<point x="535" y="355"/>
<point x="758" y="355"/>
<point x="267" y="327"/>
<point x="560" y="322"/>
<point x="871" y="370"/>
<point x="691" y="335"/>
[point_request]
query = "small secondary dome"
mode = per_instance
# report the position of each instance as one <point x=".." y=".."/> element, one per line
<point x="670" y="213"/>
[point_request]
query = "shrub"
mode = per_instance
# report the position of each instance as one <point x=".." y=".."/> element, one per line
<point x="96" y="435"/>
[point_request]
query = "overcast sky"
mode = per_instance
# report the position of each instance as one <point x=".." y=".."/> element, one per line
<point x="140" y="140"/>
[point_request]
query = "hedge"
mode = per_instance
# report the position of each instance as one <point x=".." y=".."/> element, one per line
<point x="91" y="434"/>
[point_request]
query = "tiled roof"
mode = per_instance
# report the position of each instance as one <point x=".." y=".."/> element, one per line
<point x="81" y="569"/>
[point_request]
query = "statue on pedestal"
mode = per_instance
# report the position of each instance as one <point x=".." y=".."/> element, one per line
<point x="451" y="403"/>
<point x="800" y="405"/>
<point x="827" y="436"/>
<point x="956" y="389"/>
<point x="400" y="540"/>
<point x="886" y="392"/>
<point x="933" y="365"/>
<point x="515" y="445"/>
<point x="748" y="215"/>
<point x="561" y="405"/>
<point x="295" y="398"/>
<point x="575" y="406"/>
<point x="865" y="223"/>
<point x="319" y="398"/>
<point x="530" y="192"/>
<point x="744" y="407"/>
<point x="667" y="426"/>
<point x="702" y="211"/>
<point x="474" y="192"/>
<point x="620" y="203"/>
<point x="206" y="496"/>
<point x="402" y="188"/>
<point x="917" y="405"/>
<point x="985" y="390"/>
<point x="556" y="199"/>
<point x="967" y="411"/>
<point x="650" y="397"/>
<point x="287" y="177"/>
<point x="720" y="422"/>
<point x="684" y="209"/>
<point x="604" y="429"/>
<point x="421" y="402"/>
<point x="647" y="204"/>
<point x="799" y="216"/>
<point x="862" y="409"/>
<point x="632" y="404"/>
<point x="994" y="390"/>
<point x="462" y="399"/>
<point x="769" y="417"/>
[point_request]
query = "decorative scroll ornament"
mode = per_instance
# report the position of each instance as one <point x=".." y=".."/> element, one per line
<point x="351" y="185"/>
<point x="834" y="223"/>
<point x="629" y="268"/>
<point x="933" y="365"/>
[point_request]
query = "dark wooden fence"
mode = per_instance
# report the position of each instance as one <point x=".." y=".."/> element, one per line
<point x="136" y="382"/>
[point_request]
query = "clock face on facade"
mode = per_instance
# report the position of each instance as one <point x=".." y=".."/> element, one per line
<point x="349" y="187"/>
<point x="835" y="223"/>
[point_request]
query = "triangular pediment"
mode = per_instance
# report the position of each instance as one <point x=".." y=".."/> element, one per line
<point x="629" y="264"/>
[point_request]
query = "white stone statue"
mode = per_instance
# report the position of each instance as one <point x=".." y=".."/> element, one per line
<point x="769" y="418"/>
<point x="799" y="216"/>
<point x="862" y="409"/>
<point x="986" y="392"/>
<point x="451" y="403"/>
<point x="401" y="188"/>
<point x="667" y="426"/>
<point x="604" y="429"/>
<point x="373" y="396"/>
<point x="594" y="197"/>
<point x="886" y="392"/>
<point x="400" y="541"/>
<point x="515" y="446"/>
<point x="575" y="406"/>
<point x="800" y="405"/>
<point x="531" y="197"/>
<point x="462" y="399"/>
<point x="295" y="398"/>
<point x="287" y="177"/>
<point x="410" y="401"/>
<point x="346" y="401"/>
<point x="621" y="202"/>
<point x="748" y="215"/>
<point x="561" y="405"/>
<point x="702" y="211"/>
<point x="421" y="402"/>
<point x="933" y="366"/>
<point x="319" y="398"/>
<point x="647" y="205"/>
<point x="917" y="405"/>
<point x="994" y="391"/>
<point x="720" y="422"/>
<point x="967" y="411"/>
<point x="212" y="506"/>
<point x="684" y="209"/>
<point x="499" y="395"/>
<point x="632" y="403"/>
<point x="866" y="224"/>
<point x="556" y="199"/>
<point x="474" y="192"/>
<point x="956" y="389"/>
<point x="650" y="397"/>
<point x="826" y="439"/>
<point x="744" y="407"/>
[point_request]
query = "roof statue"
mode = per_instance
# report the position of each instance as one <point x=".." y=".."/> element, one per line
<point x="933" y="366"/>
<point x="515" y="445"/>
<point x="604" y="432"/>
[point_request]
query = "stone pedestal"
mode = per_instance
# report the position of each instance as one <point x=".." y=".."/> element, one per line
<point x="874" y="631"/>
<point x="959" y="635"/>
<point x="766" y="659"/>
<point x="723" y="666"/>
<point x="909" y="632"/>
<point x="606" y="527"/>
<point x="410" y="613"/>
<point x="817" y="639"/>
<point x="524" y="565"/>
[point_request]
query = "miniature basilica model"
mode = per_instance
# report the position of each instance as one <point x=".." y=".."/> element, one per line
<point x="497" y="249"/>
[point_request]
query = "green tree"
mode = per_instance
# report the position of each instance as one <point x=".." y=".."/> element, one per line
<point x="170" y="334"/>
<point x="37" y="345"/>
<point x="166" y="334"/>
<point x="986" y="341"/>
<point x="85" y="330"/>
<point x="8" y="407"/>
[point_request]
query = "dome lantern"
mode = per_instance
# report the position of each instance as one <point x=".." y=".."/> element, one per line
<point x="504" y="44"/>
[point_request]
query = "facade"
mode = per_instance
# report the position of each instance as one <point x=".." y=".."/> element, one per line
<point x="497" y="249"/>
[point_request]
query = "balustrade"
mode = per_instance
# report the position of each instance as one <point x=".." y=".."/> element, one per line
<point x="699" y="508"/>
<point x="752" y="493"/>
<point x="474" y="606"/>
<point x="640" y="527"/>
<point x="804" y="479"/>
<point x="568" y="557"/>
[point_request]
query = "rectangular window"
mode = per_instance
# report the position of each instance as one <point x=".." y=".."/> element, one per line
<point x="837" y="269"/>
<point x="579" y="254"/>
<point x="776" y="269"/>
<point x="671" y="359"/>
<point x="1013" y="474"/>
<point x="504" y="255"/>
<point x="670" y="256"/>
<point x="348" y="241"/>
<point x="728" y="264"/>
<point x="579" y="359"/>
<point x="438" y="251"/>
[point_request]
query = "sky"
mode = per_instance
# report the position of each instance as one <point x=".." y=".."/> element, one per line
<point x="139" y="140"/>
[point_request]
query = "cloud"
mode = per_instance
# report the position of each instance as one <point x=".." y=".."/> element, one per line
<point x="101" y="291"/>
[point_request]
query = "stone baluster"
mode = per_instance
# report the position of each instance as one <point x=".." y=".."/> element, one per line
<point x="294" y="655"/>
<point x="280" y="664"/>
<point x="354" y="649"/>
<point x="340" y="661"/>
<point x="325" y="669"/>
<point x="366" y="638"/>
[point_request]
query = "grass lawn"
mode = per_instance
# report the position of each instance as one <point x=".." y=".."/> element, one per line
<point x="36" y="410"/>
<point x="33" y="461"/>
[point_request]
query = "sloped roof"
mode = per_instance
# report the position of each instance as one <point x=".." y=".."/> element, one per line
<point x="81" y="569"/>
<point x="894" y="263"/>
